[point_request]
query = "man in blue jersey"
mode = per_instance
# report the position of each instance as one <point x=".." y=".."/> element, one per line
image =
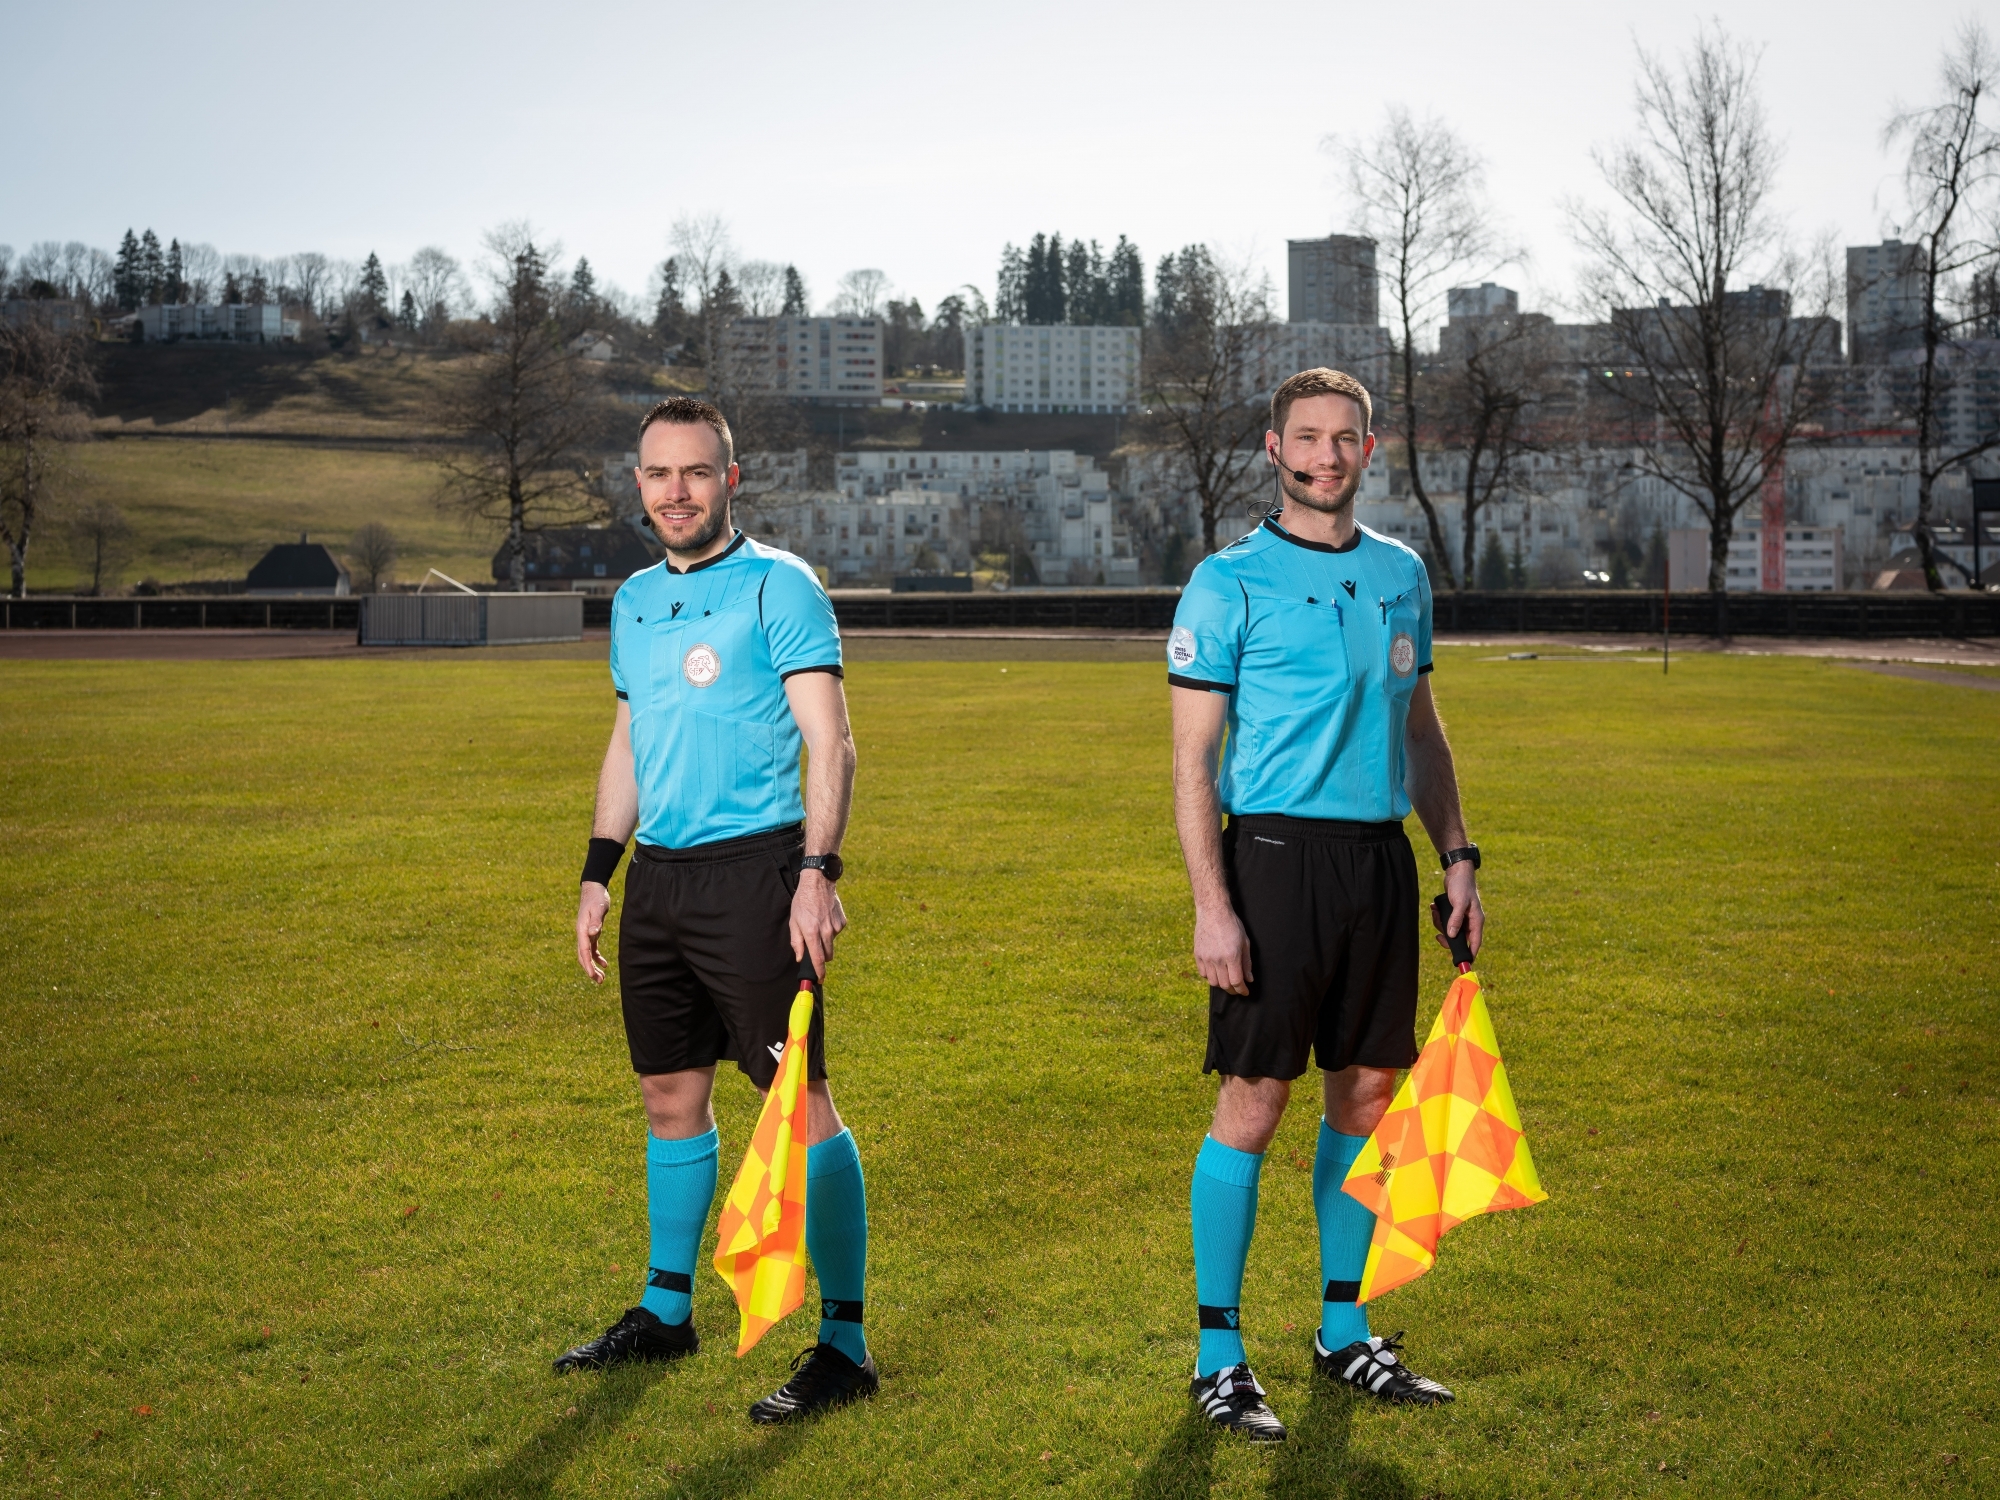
<point x="1302" y="709"/>
<point x="725" y="657"/>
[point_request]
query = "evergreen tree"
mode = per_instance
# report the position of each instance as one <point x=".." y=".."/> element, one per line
<point x="126" y="287"/>
<point x="1655" y="574"/>
<point x="583" y="285"/>
<point x="232" y="289"/>
<point x="152" y="268"/>
<point x="1126" y="278"/>
<point x="1517" y="566"/>
<point x="1083" y="275"/>
<point x="727" y="303"/>
<point x="1043" y="291"/>
<point x="1010" y="301"/>
<point x="795" y="294"/>
<point x="406" y="316"/>
<point x="1493" y="564"/>
<point x="176" y="277"/>
<point x="258" y="292"/>
<point x="374" y="286"/>
<point x="1167" y="292"/>
<point x="670" y="312"/>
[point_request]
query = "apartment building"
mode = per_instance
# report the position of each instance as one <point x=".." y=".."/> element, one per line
<point x="1885" y="300"/>
<point x="1274" y="352"/>
<point x="1814" y="559"/>
<point x="1331" y="280"/>
<point x="242" y="322"/>
<point x="830" y="361"/>
<point x="1052" y="368"/>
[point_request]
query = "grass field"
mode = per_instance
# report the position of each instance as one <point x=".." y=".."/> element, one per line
<point x="317" y="1148"/>
<point x="210" y="509"/>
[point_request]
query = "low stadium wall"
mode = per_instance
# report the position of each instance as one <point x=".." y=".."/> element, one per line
<point x="1858" y="616"/>
<point x="470" y="619"/>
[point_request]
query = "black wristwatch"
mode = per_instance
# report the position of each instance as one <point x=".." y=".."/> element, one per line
<point x="828" y="865"/>
<point x="1454" y="856"/>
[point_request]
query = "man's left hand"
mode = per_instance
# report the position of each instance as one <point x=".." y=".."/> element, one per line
<point x="816" y="919"/>
<point x="1467" y="916"/>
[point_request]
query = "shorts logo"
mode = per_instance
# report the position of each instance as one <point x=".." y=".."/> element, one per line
<point x="701" y="666"/>
<point x="1402" y="655"/>
<point x="1180" y="647"/>
<point x="777" y="1050"/>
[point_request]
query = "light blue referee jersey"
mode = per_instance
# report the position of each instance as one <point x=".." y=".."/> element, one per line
<point x="1319" y="650"/>
<point x="702" y="657"/>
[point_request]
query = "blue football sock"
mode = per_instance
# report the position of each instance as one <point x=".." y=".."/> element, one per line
<point x="837" y="1240"/>
<point x="1345" y="1228"/>
<point x="680" y="1185"/>
<point x="1223" y="1204"/>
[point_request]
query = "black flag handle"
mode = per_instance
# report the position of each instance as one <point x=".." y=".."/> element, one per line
<point x="1461" y="950"/>
<point x="806" y="973"/>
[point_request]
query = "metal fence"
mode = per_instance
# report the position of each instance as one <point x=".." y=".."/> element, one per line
<point x="529" y="617"/>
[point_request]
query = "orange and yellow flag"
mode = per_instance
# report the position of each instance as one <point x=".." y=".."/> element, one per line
<point x="760" y="1242"/>
<point x="1449" y="1148"/>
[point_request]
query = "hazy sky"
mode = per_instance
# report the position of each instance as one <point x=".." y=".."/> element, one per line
<point x="913" y="138"/>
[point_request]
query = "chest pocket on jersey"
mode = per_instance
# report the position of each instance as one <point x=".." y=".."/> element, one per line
<point x="1299" y="650"/>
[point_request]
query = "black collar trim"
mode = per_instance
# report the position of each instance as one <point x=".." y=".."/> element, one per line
<point x="1272" y="526"/>
<point x="708" y="562"/>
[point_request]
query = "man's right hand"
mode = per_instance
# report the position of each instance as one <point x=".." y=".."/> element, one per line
<point x="591" y="907"/>
<point x="1222" y="949"/>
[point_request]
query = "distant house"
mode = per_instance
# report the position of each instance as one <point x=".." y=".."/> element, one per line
<point x="593" y="345"/>
<point x="300" y="567"/>
<point x="586" y="558"/>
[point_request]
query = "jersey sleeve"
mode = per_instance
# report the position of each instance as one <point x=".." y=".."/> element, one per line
<point x="1206" y="643"/>
<point x="617" y="662"/>
<point x="798" y="621"/>
<point x="1423" y="620"/>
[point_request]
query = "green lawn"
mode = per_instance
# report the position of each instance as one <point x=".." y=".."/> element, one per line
<point x="316" y="1147"/>
<point x="203" y="509"/>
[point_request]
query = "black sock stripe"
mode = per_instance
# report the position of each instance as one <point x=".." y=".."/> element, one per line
<point x="1228" y="1319"/>
<point x="671" y="1281"/>
<point x="835" y="1311"/>
<point x="1342" y="1291"/>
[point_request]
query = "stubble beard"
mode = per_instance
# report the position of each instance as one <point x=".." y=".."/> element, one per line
<point x="694" y="536"/>
<point x="1311" y="499"/>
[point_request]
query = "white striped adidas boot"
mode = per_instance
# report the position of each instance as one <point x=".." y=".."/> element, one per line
<point x="1372" y="1366"/>
<point x="1233" y="1400"/>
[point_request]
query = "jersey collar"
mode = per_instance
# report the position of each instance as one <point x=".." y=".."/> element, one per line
<point x="709" y="562"/>
<point x="1271" y="525"/>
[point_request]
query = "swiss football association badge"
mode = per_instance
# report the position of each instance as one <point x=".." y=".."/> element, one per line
<point x="701" y="666"/>
<point x="1180" y="647"/>
<point x="1402" y="655"/>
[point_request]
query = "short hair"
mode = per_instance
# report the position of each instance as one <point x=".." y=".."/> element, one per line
<point x="686" y="411"/>
<point x="1319" y="382"/>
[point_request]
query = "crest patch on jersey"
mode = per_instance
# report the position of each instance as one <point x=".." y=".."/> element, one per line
<point x="1402" y="654"/>
<point x="701" y="666"/>
<point x="1180" y="647"/>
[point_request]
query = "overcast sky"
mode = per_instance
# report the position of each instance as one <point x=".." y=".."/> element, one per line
<point x="912" y="138"/>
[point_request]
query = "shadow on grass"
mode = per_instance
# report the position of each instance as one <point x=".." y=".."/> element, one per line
<point x="1314" y="1463"/>
<point x="539" y="1463"/>
<point x="1317" y="1461"/>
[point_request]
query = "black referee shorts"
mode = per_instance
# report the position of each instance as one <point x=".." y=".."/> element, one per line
<point x="705" y="965"/>
<point x="1331" y="910"/>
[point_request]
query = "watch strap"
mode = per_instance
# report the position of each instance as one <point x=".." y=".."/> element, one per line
<point x="1456" y="856"/>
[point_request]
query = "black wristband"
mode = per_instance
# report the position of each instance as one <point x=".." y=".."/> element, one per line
<point x="601" y="863"/>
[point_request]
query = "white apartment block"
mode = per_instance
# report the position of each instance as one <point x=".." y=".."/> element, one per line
<point x="1052" y="368"/>
<point x="244" y="322"/>
<point x="1814" y="559"/>
<point x="856" y="541"/>
<point x="834" y="361"/>
<point x="1274" y="352"/>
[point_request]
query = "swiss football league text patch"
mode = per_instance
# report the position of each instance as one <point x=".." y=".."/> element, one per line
<point x="1180" y="647"/>
<point x="1402" y="654"/>
<point x="701" y="666"/>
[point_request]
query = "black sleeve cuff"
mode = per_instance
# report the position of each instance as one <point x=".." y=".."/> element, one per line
<point x="1174" y="679"/>
<point x="832" y="667"/>
<point x="601" y="863"/>
<point x="623" y="696"/>
<point x="1423" y="669"/>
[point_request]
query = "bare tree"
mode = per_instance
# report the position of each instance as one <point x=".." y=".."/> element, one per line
<point x="310" y="277"/>
<point x="435" y="281"/>
<point x="43" y="376"/>
<point x="1490" y="403"/>
<point x="1952" y="176"/>
<point x="99" y="277"/>
<point x="1197" y="376"/>
<point x="861" y="294"/>
<point x="703" y="255"/>
<point x="1417" y="193"/>
<point x="201" y="269"/>
<point x="1717" y="383"/>
<point x="522" y="409"/>
<point x="373" y="550"/>
<point x="100" y="542"/>
<point x="761" y="285"/>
